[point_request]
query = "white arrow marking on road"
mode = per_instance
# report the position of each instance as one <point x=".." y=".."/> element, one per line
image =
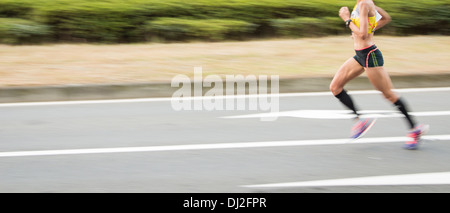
<point x="338" y="114"/>
<point x="406" y="179"/>
<point x="237" y="145"/>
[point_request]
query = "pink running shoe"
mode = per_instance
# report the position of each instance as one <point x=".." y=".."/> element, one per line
<point x="415" y="136"/>
<point x="361" y="127"/>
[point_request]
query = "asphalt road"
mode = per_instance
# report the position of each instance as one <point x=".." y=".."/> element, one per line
<point x="146" y="146"/>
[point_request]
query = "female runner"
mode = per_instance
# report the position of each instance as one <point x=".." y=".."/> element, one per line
<point x="364" y="19"/>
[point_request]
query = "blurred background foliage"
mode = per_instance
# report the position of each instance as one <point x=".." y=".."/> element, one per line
<point x="128" y="21"/>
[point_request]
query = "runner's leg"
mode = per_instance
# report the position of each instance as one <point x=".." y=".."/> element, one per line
<point x="348" y="71"/>
<point x="381" y="80"/>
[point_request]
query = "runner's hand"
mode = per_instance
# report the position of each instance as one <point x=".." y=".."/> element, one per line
<point x="344" y="13"/>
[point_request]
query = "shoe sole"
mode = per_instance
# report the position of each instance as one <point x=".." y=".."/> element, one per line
<point x="411" y="148"/>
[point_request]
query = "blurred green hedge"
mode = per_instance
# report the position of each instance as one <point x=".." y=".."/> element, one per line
<point x="114" y="21"/>
<point x="180" y="29"/>
<point x="18" y="31"/>
<point x="308" y="26"/>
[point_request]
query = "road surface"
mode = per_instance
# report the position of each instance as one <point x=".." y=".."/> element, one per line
<point x="144" y="145"/>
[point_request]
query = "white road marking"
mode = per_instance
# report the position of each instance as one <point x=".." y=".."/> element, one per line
<point x="337" y="114"/>
<point x="281" y="95"/>
<point x="406" y="179"/>
<point x="217" y="146"/>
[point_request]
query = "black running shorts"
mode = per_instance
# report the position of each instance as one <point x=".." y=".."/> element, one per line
<point x="369" y="57"/>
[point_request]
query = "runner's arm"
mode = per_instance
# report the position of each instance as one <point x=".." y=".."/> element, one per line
<point x="385" y="19"/>
<point x="363" y="30"/>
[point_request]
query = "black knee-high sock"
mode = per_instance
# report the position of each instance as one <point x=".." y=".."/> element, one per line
<point x="347" y="101"/>
<point x="403" y="108"/>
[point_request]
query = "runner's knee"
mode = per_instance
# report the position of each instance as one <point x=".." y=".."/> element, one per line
<point x="335" y="89"/>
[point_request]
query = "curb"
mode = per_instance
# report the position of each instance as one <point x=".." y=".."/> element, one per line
<point x="149" y="90"/>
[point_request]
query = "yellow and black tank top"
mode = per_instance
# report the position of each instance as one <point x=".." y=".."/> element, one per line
<point x="372" y="20"/>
